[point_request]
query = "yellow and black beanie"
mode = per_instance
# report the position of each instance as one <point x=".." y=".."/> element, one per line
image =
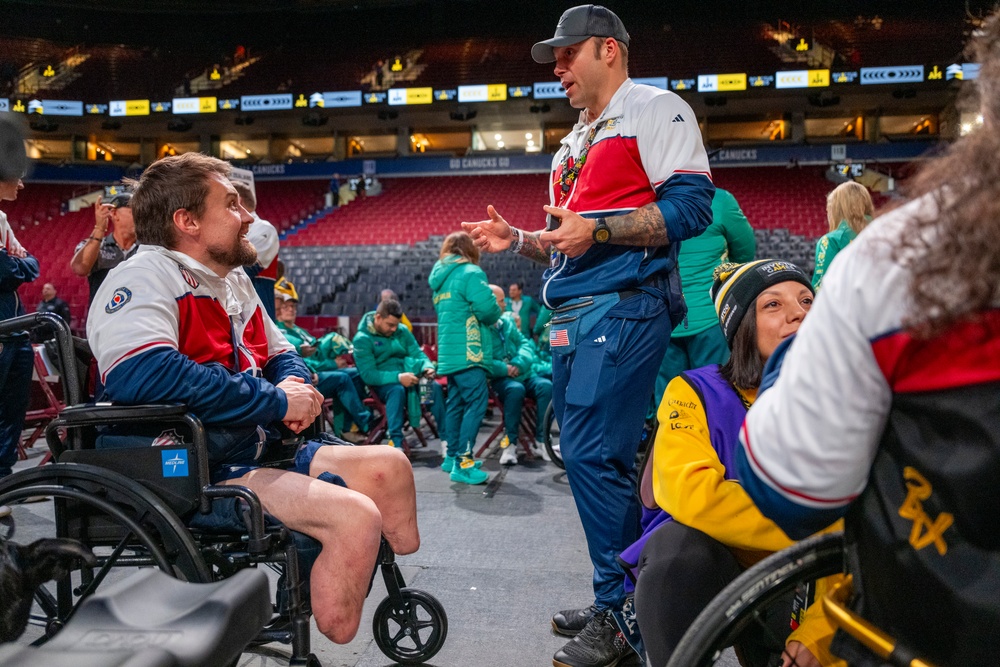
<point x="737" y="285"/>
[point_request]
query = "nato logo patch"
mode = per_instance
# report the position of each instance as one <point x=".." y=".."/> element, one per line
<point x="175" y="462"/>
<point x="121" y="296"/>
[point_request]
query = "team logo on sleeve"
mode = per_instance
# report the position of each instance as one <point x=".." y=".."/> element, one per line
<point x="121" y="296"/>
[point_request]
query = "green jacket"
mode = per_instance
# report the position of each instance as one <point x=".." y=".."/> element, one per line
<point x="328" y="348"/>
<point x="509" y="347"/>
<point x="728" y="239"/>
<point x="529" y="307"/>
<point x="542" y="324"/>
<point x="827" y="248"/>
<point x="380" y="359"/>
<point x="465" y="307"/>
<point x="542" y="365"/>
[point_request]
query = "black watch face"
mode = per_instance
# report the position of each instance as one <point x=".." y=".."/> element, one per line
<point x="602" y="235"/>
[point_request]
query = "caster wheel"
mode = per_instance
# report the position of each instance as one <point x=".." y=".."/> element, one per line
<point x="413" y="632"/>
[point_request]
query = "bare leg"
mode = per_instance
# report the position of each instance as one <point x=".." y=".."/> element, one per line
<point x="383" y="474"/>
<point x="345" y="522"/>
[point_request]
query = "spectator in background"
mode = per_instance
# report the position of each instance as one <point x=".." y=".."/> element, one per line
<point x="264" y="237"/>
<point x="523" y="307"/>
<point x="698" y="341"/>
<point x="849" y="209"/>
<point x="333" y="195"/>
<point x="327" y="359"/>
<point x="388" y="295"/>
<point x="392" y="365"/>
<point x="16" y="358"/>
<point x="100" y="252"/>
<point x="511" y="370"/>
<point x="465" y="307"/>
<point x="51" y="303"/>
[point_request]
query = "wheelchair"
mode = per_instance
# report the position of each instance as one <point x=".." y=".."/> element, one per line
<point x="132" y="508"/>
<point x="750" y="603"/>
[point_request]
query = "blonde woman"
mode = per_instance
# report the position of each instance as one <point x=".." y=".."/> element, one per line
<point x="849" y="209"/>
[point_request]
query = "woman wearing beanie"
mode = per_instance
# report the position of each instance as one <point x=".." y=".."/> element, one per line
<point x="849" y="209"/>
<point x="465" y="306"/>
<point x="701" y="530"/>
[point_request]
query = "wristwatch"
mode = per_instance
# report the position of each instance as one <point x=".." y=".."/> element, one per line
<point x="601" y="232"/>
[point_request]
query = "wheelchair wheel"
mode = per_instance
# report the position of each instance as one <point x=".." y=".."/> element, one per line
<point x="743" y="605"/>
<point x="123" y="523"/>
<point x="552" y="438"/>
<point x="413" y="633"/>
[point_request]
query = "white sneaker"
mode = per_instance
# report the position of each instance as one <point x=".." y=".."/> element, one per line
<point x="4" y="511"/>
<point x="508" y="456"/>
<point x="538" y="449"/>
<point x="444" y="449"/>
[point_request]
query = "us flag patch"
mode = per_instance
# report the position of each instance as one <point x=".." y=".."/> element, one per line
<point x="558" y="338"/>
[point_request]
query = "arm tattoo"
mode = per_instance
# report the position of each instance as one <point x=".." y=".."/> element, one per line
<point x="534" y="249"/>
<point x="642" y="227"/>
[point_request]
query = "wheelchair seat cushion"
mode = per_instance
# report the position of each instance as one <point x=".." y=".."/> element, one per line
<point x="198" y="624"/>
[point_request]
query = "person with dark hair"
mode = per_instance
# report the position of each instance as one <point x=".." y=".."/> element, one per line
<point x="264" y="238"/>
<point x="181" y="323"/>
<point x="885" y="409"/>
<point x="700" y="528"/>
<point x="523" y="307"/>
<point x="17" y="266"/>
<point x="849" y="209"/>
<point x="465" y="307"/>
<point x="100" y="252"/>
<point x="392" y="364"/>
<point x="628" y="184"/>
<point x="51" y="303"/>
<point x="389" y="295"/>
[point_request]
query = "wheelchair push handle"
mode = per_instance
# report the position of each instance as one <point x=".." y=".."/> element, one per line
<point x="871" y="637"/>
<point x="64" y="339"/>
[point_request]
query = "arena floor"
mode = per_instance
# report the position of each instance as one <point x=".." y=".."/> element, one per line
<point x="501" y="559"/>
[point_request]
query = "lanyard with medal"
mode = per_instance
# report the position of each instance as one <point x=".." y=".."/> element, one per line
<point x="568" y="175"/>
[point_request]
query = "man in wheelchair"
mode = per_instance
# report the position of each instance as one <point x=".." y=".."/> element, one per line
<point x="181" y="323"/>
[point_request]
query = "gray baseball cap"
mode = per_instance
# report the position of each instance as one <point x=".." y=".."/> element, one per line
<point x="577" y="24"/>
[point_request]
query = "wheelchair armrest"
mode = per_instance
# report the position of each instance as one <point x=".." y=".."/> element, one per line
<point x="259" y="541"/>
<point x="106" y="413"/>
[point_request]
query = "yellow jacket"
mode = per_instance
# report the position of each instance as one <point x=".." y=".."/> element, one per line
<point x="689" y="483"/>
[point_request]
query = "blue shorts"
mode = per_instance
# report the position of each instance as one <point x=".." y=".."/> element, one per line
<point x="303" y="459"/>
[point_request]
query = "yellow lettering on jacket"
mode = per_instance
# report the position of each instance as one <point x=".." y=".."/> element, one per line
<point x="925" y="531"/>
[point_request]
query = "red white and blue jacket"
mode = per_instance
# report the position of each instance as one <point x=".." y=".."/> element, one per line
<point x="165" y="328"/>
<point x="648" y="149"/>
<point x="900" y="434"/>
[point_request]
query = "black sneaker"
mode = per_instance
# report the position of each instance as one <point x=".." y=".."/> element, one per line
<point x="571" y="621"/>
<point x="599" y="644"/>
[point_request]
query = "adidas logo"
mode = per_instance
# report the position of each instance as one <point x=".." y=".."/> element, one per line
<point x="678" y="119"/>
<point x="601" y="339"/>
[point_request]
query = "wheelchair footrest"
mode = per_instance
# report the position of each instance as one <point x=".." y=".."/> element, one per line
<point x="196" y="624"/>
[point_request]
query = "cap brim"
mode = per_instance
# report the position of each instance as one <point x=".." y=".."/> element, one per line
<point x="542" y="51"/>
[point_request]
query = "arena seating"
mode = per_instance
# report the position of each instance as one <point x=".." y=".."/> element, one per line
<point x="286" y="203"/>
<point x="341" y="261"/>
<point x="411" y="209"/>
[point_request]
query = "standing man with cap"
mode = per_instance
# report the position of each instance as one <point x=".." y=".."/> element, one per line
<point x="630" y="181"/>
<point x="100" y="252"/>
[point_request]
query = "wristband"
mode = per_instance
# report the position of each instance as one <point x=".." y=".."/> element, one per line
<point x="515" y="248"/>
<point x="95" y="238"/>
